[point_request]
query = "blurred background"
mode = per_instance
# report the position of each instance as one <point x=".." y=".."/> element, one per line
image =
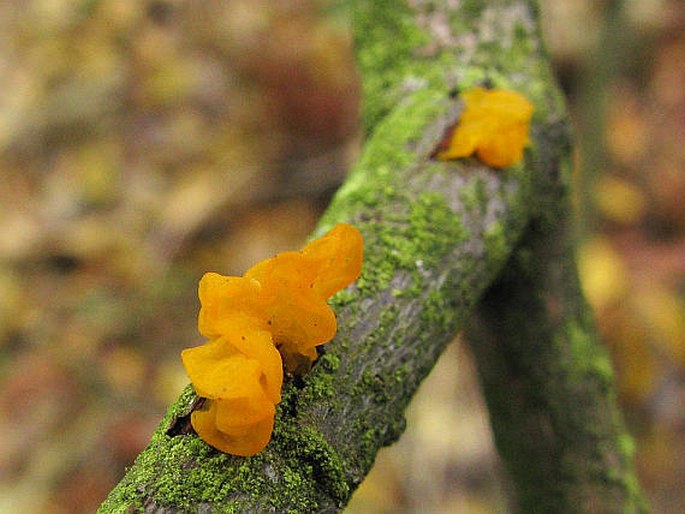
<point x="143" y="143"/>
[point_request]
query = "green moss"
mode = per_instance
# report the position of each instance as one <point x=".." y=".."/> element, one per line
<point x="401" y="373"/>
<point x="474" y="195"/>
<point x="411" y="232"/>
<point x="308" y="450"/>
<point x="430" y="210"/>
<point x="386" y="67"/>
<point x="498" y="243"/>
<point x="301" y="463"/>
<point x="587" y="354"/>
<point x="628" y="481"/>
<point x="329" y="362"/>
<point x="342" y="299"/>
<point x="321" y="385"/>
<point x="374" y="386"/>
<point x="374" y="179"/>
<point x="472" y="8"/>
<point x="436" y="312"/>
<point x="626" y="445"/>
<point x="369" y="442"/>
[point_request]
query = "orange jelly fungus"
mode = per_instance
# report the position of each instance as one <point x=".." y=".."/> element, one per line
<point x="275" y="313"/>
<point x="495" y="125"/>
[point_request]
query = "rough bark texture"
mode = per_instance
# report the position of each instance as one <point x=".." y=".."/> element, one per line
<point x="437" y="237"/>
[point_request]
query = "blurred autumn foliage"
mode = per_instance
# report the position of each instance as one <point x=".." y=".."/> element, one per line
<point x="143" y="143"/>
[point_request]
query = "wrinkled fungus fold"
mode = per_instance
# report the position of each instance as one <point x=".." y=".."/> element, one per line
<point x="272" y="317"/>
<point x="495" y="125"/>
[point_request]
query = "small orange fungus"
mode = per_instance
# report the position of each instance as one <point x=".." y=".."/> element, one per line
<point x="275" y="313"/>
<point x="295" y="287"/>
<point x="495" y="125"/>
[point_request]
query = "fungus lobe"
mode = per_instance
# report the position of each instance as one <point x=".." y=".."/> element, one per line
<point x="495" y="125"/>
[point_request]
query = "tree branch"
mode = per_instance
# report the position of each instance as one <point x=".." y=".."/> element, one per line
<point x="437" y="235"/>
